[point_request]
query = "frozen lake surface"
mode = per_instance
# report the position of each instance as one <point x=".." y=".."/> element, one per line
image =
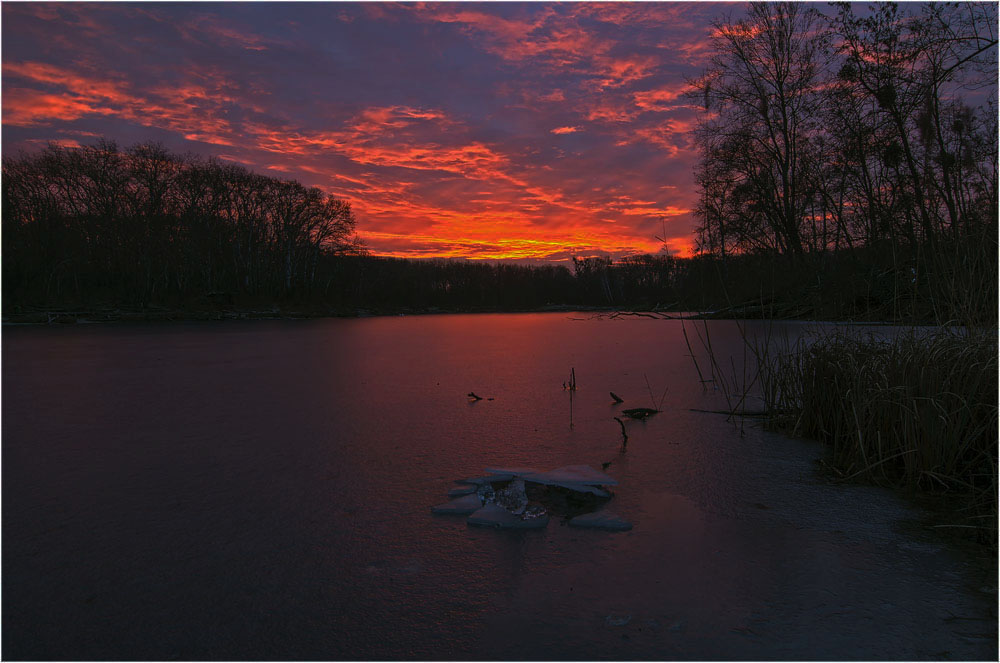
<point x="262" y="490"/>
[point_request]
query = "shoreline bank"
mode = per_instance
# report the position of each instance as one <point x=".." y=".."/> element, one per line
<point x="57" y="316"/>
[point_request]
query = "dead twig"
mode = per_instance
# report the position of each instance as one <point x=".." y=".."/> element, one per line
<point x="624" y="434"/>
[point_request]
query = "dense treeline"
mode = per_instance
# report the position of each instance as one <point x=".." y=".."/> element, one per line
<point x="391" y="284"/>
<point x="826" y="132"/>
<point x="141" y="226"/>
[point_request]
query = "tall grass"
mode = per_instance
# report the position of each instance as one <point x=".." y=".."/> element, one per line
<point x="917" y="411"/>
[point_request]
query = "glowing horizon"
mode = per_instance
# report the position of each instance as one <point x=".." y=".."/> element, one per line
<point x="456" y="130"/>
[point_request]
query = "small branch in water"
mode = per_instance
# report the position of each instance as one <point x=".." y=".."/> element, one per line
<point x="639" y="412"/>
<point x="617" y="398"/>
<point x="701" y="378"/>
<point x="473" y="396"/>
<point x="650" y="390"/>
<point x="571" y="385"/>
<point x="624" y="434"/>
<point x="656" y="406"/>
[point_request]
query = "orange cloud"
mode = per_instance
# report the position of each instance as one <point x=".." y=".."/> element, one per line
<point x="736" y="31"/>
<point x="180" y="108"/>
<point x="547" y="38"/>
<point x="89" y="86"/>
<point x="632" y="13"/>
<point x="61" y="142"/>
<point x="671" y="135"/>
<point x="617" y="72"/>
<point x="680" y="246"/>
<point x="565" y="130"/>
<point x="26" y="108"/>
<point x="659" y="99"/>
<point x="609" y="109"/>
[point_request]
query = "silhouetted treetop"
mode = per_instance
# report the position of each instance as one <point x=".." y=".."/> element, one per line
<point x="142" y="222"/>
<point x="831" y="130"/>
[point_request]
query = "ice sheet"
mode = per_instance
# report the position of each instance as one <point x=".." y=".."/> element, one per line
<point x="460" y="507"/>
<point x="492" y="515"/>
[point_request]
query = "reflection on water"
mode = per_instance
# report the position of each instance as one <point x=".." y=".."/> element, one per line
<point x="262" y="490"/>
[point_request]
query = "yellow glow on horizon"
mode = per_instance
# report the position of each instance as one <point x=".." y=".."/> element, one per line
<point x="518" y="248"/>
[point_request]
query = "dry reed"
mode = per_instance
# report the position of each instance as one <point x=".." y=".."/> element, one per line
<point x="918" y="410"/>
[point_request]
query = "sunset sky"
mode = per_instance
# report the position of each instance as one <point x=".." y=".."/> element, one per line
<point x="510" y="130"/>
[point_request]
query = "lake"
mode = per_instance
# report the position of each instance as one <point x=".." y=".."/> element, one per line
<point x="262" y="490"/>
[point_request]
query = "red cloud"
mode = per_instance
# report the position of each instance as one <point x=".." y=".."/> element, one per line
<point x="48" y="74"/>
<point x="25" y="108"/>
<point x="659" y="99"/>
<point x="548" y="39"/>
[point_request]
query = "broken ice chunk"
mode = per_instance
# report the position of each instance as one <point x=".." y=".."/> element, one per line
<point x="580" y="488"/>
<point x="573" y="474"/>
<point x="513" y="498"/>
<point x="462" y="490"/>
<point x="582" y="478"/>
<point x="493" y="515"/>
<point x="601" y="520"/>
<point x="510" y="472"/>
<point x="459" y="507"/>
<point x="485" y="492"/>
<point x="479" y="481"/>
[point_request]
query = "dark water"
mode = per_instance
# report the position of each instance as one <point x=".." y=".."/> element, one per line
<point x="262" y="490"/>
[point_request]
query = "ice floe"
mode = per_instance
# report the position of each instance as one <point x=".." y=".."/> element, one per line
<point x="461" y="506"/>
<point x="510" y="471"/>
<point x="479" y="481"/>
<point x="574" y="474"/>
<point x="494" y="515"/>
<point x="519" y="497"/>
<point x="573" y="477"/>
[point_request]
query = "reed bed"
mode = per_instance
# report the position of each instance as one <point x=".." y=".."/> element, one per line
<point x="918" y="410"/>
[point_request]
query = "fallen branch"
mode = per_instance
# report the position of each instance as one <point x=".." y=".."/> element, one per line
<point x="624" y="434"/>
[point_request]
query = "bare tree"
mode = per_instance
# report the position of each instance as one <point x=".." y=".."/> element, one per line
<point x="760" y="92"/>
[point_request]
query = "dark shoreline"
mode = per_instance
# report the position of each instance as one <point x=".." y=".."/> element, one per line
<point x="54" y="316"/>
<point x="42" y="316"/>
